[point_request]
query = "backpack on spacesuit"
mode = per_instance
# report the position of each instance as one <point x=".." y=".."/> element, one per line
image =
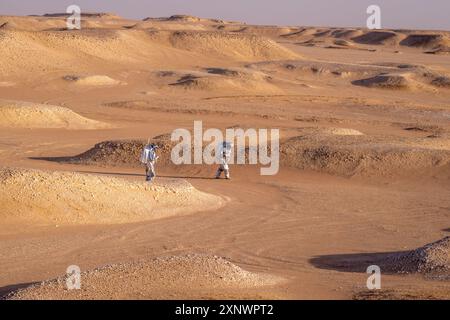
<point x="148" y="154"/>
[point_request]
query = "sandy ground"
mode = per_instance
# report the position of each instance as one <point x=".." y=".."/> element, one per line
<point x="365" y="176"/>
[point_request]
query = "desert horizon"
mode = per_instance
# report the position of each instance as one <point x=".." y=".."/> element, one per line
<point x="361" y="176"/>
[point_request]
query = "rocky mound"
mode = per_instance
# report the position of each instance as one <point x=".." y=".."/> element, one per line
<point x="432" y="259"/>
<point x="107" y="15"/>
<point x="349" y="155"/>
<point x="11" y="23"/>
<point x="184" y="18"/>
<point x="377" y="38"/>
<point x="242" y="73"/>
<point x="385" y="81"/>
<point x="43" y="197"/>
<point x="346" y="33"/>
<point x="441" y="49"/>
<point x="16" y="114"/>
<point x="130" y="104"/>
<point x="298" y="34"/>
<point x="302" y="67"/>
<point x="233" y="45"/>
<point x="343" y="43"/>
<point x="424" y="40"/>
<point x="119" y="153"/>
<point x="233" y="79"/>
<point x="415" y="293"/>
<point x="176" y="277"/>
<point x="441" y="81"/>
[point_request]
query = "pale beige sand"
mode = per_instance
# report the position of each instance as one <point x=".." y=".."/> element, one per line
<point x="73" y="198"/>
<point x="19" y="114"/>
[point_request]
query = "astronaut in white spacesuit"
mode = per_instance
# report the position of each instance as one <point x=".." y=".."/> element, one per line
<point x="224" y="154"/>
<point x="149" y="158"/>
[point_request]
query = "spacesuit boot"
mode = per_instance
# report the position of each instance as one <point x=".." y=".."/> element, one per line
<point x="150" y="171"/>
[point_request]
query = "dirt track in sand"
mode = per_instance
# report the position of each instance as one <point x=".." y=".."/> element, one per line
<point x="364" y="172"/>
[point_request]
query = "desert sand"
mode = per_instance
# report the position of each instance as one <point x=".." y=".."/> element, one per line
<point x="364" y="119"/>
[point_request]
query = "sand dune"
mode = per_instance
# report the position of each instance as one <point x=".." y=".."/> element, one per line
<point x="323" y="69"/>
<point x="377" y="38"/>
<point x="343" y="43"/>
<point x="18" y="114"/>
<point x="233" y="45"/>
<point x="386" y="81"/>
<point x="439" y="50"/>
<point x="43" y="197"/>
<point x="309" y="33"/>
<point x="435" y="42"/>
<point x="350" y="155"/>
<point x="377" y="75"/>
<point x="425" y="40"/>
<point x="406" y="77"/>
<point x="9" y="23"/>
<point x="266" y="31"/>
<point x="299" y="34"/>
<point x="63" y="49"/>
<point x="186" y="18"/>
<point x="175" y="277"/>
<point x="229" y="79"/>
<point x="346" y="34"/>
<point x="57" y="21"/>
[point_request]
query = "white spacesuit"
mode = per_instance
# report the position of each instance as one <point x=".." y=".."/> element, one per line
<point x="224" y="153"/>
<point x="149" y="158"/>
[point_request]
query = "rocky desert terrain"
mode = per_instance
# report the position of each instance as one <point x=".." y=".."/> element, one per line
<point x="364" y="119"/>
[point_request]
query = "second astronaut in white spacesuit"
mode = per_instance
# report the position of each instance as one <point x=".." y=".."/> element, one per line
<point x="224" y="154"/>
